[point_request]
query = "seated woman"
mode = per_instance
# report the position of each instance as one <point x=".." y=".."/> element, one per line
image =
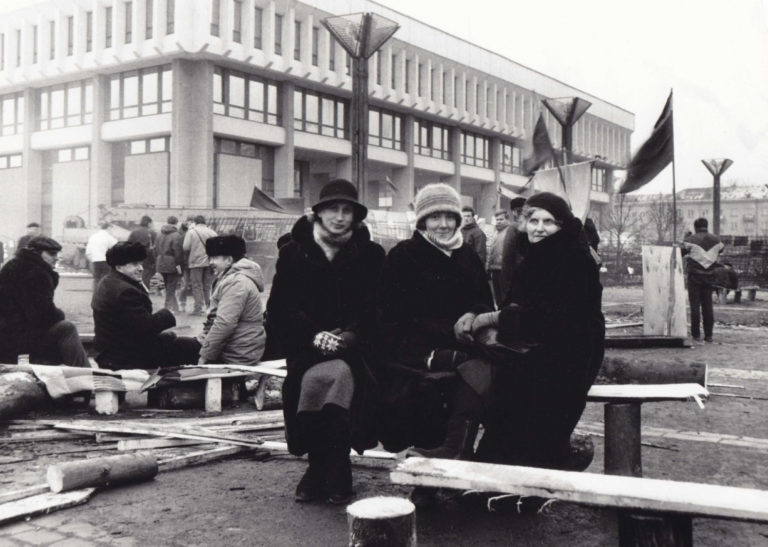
<point x="321" y="311"/>
<point x="552" y="314"/>
<point x="435" y="386"/>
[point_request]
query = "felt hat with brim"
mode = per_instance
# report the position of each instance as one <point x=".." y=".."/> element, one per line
<point x="230" y="245"/>
<point x="42" y="243"/>
<point x="125" y="252"/>
<point x="340" y="190"/>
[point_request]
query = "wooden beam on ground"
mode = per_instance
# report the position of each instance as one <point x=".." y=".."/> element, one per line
<point x="14" y="495"/>
<point x="645" y="341"/>
<point x="618" y="369"/>
<point x="19" y="393"/>
<point x="149" y="444"/>
<point x="42" y="504"/>
<point x="203" y="456"/>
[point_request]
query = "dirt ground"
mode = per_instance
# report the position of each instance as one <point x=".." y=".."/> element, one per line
<point x="245" y="501"/>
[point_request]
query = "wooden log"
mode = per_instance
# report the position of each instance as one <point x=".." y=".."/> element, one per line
<point x="382" y="522"/>
<point x="653" y="530"/>
<point x="101" y="471"/>
<point x="623" y="370"/>
<point x="645" y="341"/>
<point x="192" y="394"/>
<point x="42" y="504"/>
<point x="107" y="402"/>
<point x="19" y="393"/>
<point x="622" y="440"/>
<point x="213" y="395"/>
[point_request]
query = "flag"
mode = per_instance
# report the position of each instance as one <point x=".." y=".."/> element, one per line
<point x="260" y="200"/>
<point x="577" y="179"/>
<point x="655" y="154"/>
<point x="541" y="151"/>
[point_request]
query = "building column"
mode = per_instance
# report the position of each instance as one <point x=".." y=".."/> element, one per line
<point x="284" y="155"/>
<point x="455" y="179"/>
<point x="32" y="164"/>
<point x="403" y="176"/>
<point x="488" y="201"/>
<point x="101" y="152"/>
<point x="192" y="134"/>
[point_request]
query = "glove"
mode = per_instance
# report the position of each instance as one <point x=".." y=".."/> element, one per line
<point x="462" y="330"/>
<point x="490" y="319"/>
<point x="328" y="343"/>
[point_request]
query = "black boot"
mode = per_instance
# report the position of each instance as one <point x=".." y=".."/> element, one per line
<point x="338" y="468"/>
<point x="311" y="487"/>
<point x="458" y="444"/>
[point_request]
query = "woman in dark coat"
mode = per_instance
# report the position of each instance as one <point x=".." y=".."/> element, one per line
<point x="322" y="311"/>
<point x="430" y="287"/>
<point x="553" y="309"/>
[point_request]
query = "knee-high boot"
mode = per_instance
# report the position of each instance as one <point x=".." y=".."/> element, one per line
<point x="311" y="487"/>
<point x="338" y="468"/>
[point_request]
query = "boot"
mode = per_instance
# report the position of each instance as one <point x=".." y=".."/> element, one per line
<point x="458" y="444"/>
<point x="338" y="468"/>
<point x="311" y="487"/>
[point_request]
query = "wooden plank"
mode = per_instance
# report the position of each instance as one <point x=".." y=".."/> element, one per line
<point x="645" y="341"/>
<point x="203" y="456"/>
<point x="665" y="496"/>
<point x="609" y="326"/>
<point x="646" y="392"/>
<point x="42" y="504"/>
<point x="213" y="395"/>
<point x="664" y="311"/>
<point x="14" y="495"/>
<point x="148" y="444"/>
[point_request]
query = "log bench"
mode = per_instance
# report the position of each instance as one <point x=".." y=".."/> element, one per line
<point x="722" y="293"/>
<point x="651" y="511"/>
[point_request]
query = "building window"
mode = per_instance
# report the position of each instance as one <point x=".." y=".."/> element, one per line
<point x="52" y="45"/>
<point x="477" y="98"/>
<point x="433" y="86"/>
<point x="407" y="75"/>
<point x="257" y="27"/>
<point x="88" y="31"/>
<point x="128" y="22"/>
<point x="510" y="158"/>
<point x="392" y="71"/>
<point x="455" y="92"/>
<point x="108" y="27"/>
<point x="66" y="105"/>
<point x="297" y="40"/>
<point x="319" y="113"/>
<point x="215" y="17"/>
<point x="386" y="195"/>
<point x="466" y="95"/>
<point x="420" y="80"/>
<point x="170" y="16"/>
<point x="149" y="146"/>
<point x="10" y="161"/>
<point x="34" y="44"/>
<point x="278" y="34"/>
<point x="141" y="92"/>
<point x="243" y="96"/>
<point x="12" y="114"/>
<point x="2" y="51"/>
<point x="444" y="88"/>
<point x="431" y="139"/>
<point x="332" y="55"/>
<point x="70" y="35"/>
<point x="385" y="129"/>
<point x="598" y="179"/>
<point x="315" y="44"/>
<point x="66" y="155"/>
<point x="237" y="21"/>
<point x="348" y="63"/>
<point x="475" y="150"/>
<point x="148" y="19"/>
<point x="18" y="48"/>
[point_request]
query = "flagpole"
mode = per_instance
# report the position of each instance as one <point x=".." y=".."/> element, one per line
<point x="674" y="187"/>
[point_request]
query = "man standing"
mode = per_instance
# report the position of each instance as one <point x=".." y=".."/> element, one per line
<point x="199" y="270"/>
<point x="170" y="257"/>
<point x="96" y="252"/>
<point x="510" y="254"/>
<point x="234" y="329"/>
<point x="33" y="230"/>
<point x="472" y="233"/>
<point x="701" y="250"/>
<point x="496" y="255"/>
<point x="30" y="323"/>
<point x="145" y="235"/>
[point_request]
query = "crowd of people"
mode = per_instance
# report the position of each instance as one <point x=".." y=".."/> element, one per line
<point x="413" y="349"/>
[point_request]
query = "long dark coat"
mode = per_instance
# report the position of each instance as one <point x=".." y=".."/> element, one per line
<point x="125" y="329"/>
<point x="27" y="285"/>
<point x="422" y="294"/>
<point x="553" y="306"/>
<point x="310" y="294"/>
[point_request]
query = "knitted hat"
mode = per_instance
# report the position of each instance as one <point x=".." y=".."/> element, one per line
<point x="341" y="190"/>
<point x="437" y="198"/>
<point x="126" y="252"/>
<point x="553" y="204"/>
<point x="42" y="243"/>
<point x="231" y="245"/>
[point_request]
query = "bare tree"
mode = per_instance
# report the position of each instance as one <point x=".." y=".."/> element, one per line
<point x="621" y="225"/>
<point x="661" y="217"/>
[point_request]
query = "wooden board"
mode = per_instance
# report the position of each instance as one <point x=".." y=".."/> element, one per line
<point x="645" y="341"/>
<point x="664" y="294"/>
<point x="42" y="504"/>
<point x="646" y="392"/>
<point x="635" y="493"/>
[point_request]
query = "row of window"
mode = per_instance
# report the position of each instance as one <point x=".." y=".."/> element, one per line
<point x="243" y="96"/>
<point x="10" y="161"/>
<point x="149" y="146"/>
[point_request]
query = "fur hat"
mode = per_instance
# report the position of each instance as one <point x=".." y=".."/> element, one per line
<point x="231" y="245"/>
<point x="437" y="198"/>
<point x="553" y="204"/>
<point x="341" y="190"/>
<point x="126" y="252"/>
<point x="42" y="243"/>
<point x="516" y="203"/>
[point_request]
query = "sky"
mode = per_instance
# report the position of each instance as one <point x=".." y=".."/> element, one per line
<point x="712" y="53"/>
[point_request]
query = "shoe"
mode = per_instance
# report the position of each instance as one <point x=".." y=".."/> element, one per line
<point x="696" y="338"/>
<point x="195" y="312"/>
<point x="423" y="497"/>
<point x="708" y="339"/>
<point x="458" y="444"/>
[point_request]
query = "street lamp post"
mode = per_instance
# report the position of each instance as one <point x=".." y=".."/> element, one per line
<point x="567" y="112"/>
<point x="717" y="167"/>
<point x="361" y="35"/>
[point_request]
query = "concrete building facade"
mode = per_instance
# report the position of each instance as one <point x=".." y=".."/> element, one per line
<point x="194" y="103"/>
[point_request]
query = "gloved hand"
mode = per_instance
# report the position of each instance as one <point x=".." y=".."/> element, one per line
<point x="462" y="330"/>
<point x="484" y="320"/>
<point x="328" y="343"/>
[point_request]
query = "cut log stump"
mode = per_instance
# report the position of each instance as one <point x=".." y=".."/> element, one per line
<point x="101" y="471"/>
<point x="20" y="392"/>
<point x="382" y="522"/>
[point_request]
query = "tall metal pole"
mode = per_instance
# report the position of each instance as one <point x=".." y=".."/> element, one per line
<point x="717" y="168"/>
<point x="359" y="115"/>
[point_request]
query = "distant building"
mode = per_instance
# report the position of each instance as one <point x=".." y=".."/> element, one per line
<point x="193" y="103"/>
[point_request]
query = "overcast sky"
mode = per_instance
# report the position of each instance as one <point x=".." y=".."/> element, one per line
<point x="713" y="53"/>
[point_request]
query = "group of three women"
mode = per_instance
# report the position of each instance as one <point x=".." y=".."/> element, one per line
<point x="407" y="349"/>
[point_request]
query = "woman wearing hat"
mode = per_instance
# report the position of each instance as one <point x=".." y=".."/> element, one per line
<point x="321" y="310"/>
<point x="553" y="308"/>
<point x="430" y="287"/>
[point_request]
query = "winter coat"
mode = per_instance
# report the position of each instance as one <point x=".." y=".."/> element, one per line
<point x="553" y="307"/>
<point x="125" y="329"/>
<point x="701" y="251"/>
<point x="309" y="295"/>
<point x="146" y="237"/>
<point x="234" y="329"/>
<point x="194" y="244"/>
<point x="476" y="239"/>
<point x="169" y="249"/>
<point x="27" y="285"/>
<point x="422" y="293"/>
<point x="511" y="257"/>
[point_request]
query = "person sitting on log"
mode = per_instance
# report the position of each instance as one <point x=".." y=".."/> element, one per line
<point x="234" y="328"/>
<point x="30" y="323"/>
<point x="126" y="332"/>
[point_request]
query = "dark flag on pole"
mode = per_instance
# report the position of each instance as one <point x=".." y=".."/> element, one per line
<point x="541" y="151"/>
<point x="655" y="154"/>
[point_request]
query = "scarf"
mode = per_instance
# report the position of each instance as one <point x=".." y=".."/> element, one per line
<point x="328" y="242"/>
<point x="446" y="247"/>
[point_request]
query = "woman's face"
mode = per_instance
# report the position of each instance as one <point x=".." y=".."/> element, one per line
<point x="541" y="224"/>
<point x="337" y="217"/>
<point x="441" y="226"/>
